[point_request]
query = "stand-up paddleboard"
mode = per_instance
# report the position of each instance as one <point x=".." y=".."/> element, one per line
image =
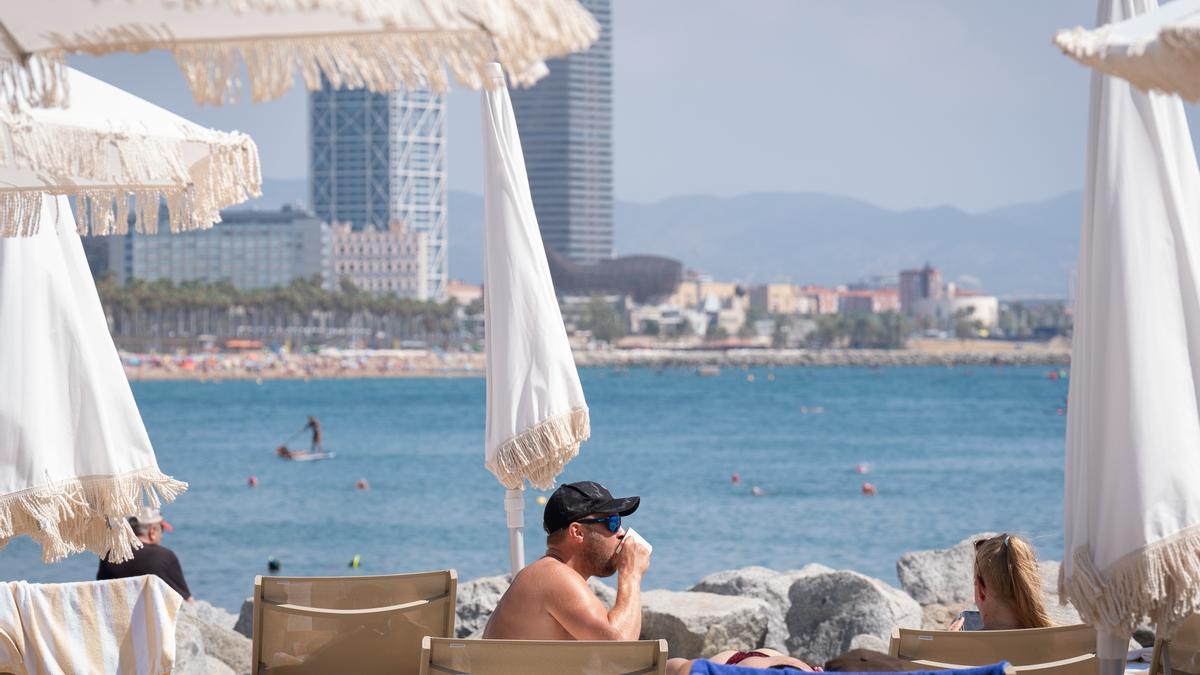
<point x="311" y="456"/>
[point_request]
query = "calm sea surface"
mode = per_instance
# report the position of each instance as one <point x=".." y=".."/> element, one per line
<point x="953" y="451"/>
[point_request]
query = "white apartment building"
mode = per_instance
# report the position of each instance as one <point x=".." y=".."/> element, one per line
<point x="383" y="261"/>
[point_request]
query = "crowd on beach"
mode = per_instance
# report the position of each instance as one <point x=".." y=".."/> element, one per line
<point x="281" y="364"/>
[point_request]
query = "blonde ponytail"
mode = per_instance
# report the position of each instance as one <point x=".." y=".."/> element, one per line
<point x="1007" y="565"/>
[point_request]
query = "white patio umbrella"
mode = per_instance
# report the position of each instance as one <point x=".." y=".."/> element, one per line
<point x="107" y="148"/>
<point x="377" y="44"/>
<point x="536" y="413"/>
<point x="1158" y="50"/>
<point x="1132" y="507"/>
<point x="74" y="455"/>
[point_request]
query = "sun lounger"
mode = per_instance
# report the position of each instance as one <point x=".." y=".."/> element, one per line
<point x="710" y="668"/>
<point x="542" y="657"/>
<point x="113" y="626"/>
<point x="362" y="624"/>
<point x="1060" y="650"/>
<point x="1181" y="654"/>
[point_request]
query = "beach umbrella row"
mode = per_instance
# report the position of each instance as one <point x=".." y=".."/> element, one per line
<point x="373" y="44"/>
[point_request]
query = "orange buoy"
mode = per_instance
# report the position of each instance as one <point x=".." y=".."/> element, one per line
<point x="869" y="489"/>
<point x="252" y="481"/>
<point x="362" y="484"/>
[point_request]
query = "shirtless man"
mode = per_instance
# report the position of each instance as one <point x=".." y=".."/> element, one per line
<point x="550" y="599"/>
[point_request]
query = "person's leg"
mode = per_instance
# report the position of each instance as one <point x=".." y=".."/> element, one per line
<point x="679" y="666"/>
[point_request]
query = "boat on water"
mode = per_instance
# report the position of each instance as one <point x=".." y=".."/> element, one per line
<point x="282" y="452"/>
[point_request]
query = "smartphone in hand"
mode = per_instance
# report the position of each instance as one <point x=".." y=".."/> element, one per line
<point x="972" y="620"/>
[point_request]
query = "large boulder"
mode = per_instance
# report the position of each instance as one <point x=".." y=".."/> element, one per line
<point x="477" y="599"/>
<point x="829" y="610"/>
<point x="941" y="576"/>
<point x="765" y="584"/>
<point x="245" y="619"/>
<point x="218" y="639"/>
<point x="1062" y="615"/>
<point x="215" y="666"/>
<point x="189" y="647"/>
<point x="702" y="624"/>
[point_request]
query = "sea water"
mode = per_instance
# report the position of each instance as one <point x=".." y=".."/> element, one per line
<point x="951" y="452"/>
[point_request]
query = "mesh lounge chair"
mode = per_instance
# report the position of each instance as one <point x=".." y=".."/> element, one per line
<point x="1181" y="654"/>
<point x="542" y="657"/>
<point x="1059" y="650"/>
<point x="368" y="624"/>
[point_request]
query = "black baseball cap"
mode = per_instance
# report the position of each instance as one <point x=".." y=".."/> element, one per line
<point x="576" y="501"/>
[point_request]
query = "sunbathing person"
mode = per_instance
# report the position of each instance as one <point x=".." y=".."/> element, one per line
<point x="550" y="599"/>
<point x="762" y="658"/>
<point x="1008" y="585"/>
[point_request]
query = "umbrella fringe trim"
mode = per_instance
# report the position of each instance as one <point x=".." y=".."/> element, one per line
<point x="521" y="34"/>
<point x="1160" y="582"/>
<point x="539" y="453"/>
<point x="1168" y="64"/>
<point x="41" y="82"/>
<point x="142" y="172"/>
<point x="86" y="513"/>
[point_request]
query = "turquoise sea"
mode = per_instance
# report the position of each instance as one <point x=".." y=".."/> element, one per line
<point x="952" y="451"/>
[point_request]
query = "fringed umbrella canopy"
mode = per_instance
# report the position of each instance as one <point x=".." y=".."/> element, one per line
<point x="1132" y="507"/>
<point x="74" y="455"/>
<point x="113" y="151"/>
<point x="1158" y="50"/>
<point x="377" y="44"/>
<point x="536" y="413"/>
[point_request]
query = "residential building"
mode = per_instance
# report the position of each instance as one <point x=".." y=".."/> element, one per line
<point x="917" y="285"/>
<point x="958" y="303"/>
<point x="383" y="261"/>
<point x="463" y="293"/>
<point x="774" y="298"/>
<point x="869" y="301"/>
<point x="376" y="159"/>
<point x="565" y="123"/>
<point x="249" y="249"/>
<point x="821" y="300"/>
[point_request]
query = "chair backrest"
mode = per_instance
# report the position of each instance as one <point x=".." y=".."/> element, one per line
<point x="1059" y="650"/>
<point x="365" y="624"/>
<point x="542" y="657"/>
<point x="1181" y="654"/>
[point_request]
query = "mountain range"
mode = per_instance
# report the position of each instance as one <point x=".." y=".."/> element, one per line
<point x="1025" y="250"/>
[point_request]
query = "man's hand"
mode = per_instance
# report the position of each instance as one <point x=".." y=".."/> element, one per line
<point x="632" y="558"/>
<point x="957" y="624"/>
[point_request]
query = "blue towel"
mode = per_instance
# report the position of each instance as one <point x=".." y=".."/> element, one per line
<point x="701" y="667"/>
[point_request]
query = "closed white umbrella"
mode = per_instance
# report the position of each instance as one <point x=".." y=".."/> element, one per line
<point x="1158" y="50"/>
<point x="74" y="455"/>
<point x="536" y="413"/>
<point x="1132" y="507"/>
<point x="377" y="44"/>
<point x="109" y="148"/>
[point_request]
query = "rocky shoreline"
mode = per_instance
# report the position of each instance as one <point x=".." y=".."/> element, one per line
<point x="829" y="358"/>
<point x="813" y="613"/>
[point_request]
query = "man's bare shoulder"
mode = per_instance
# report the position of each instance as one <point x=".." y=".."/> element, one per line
<point x="548" y="571"/>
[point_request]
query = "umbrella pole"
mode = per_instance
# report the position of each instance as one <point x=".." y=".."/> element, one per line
<point x="1111" y="650"/>
<point x="514" y="508"/>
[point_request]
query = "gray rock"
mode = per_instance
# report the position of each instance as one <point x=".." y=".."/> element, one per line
<point x="477" y="599"/>
<point x="765" y="584"/>
<point x="189" y="647"/>
<point x="1062" y="615"/>
<point x="702" y="624"/>
<point x="866" y="641"/>
<point x="216" y="666"/>
<point x="208" y="613"/>
<point x="245" y="620"/>
<point x="940" y="576"/>
<point x="829" y="610"/>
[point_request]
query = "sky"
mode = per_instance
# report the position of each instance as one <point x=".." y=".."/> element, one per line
<point x="910" y="104"/>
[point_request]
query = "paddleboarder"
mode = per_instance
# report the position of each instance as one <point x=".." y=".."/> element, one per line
<point x="316" y="434"/>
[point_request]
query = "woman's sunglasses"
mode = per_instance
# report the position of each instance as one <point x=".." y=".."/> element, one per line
<point x="613" y="522"/>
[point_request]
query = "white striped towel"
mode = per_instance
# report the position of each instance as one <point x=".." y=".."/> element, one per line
<point x="115" y="626"/>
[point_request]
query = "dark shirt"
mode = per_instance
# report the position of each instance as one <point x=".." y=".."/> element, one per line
<point x="149" y="559"/>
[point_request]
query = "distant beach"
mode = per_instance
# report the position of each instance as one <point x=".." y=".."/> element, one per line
<point x="400" y="363"/>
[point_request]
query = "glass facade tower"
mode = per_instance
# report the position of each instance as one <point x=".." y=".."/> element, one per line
<point x="376" y="159"/>
<point x="565" y="122"/>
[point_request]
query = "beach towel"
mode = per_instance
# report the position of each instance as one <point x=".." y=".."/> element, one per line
<point x="702" y="667"/>
<point x="115" y="626"/>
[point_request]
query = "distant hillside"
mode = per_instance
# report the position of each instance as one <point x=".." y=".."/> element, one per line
<point x="1024" y="250"/>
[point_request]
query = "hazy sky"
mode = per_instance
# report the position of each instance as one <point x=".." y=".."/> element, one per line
<point x="903" y="104"/>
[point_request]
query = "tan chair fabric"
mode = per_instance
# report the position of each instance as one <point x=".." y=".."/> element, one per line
<point x="365" y="624"/>
<point x="542" y="657"/>
<point x="1181" y="654"/>
<point x="1060" y="650"/>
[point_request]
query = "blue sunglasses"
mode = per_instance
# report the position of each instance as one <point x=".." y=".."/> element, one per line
<point x="613" y="522"/>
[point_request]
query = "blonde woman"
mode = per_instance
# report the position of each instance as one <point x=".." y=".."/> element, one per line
<point x="1008" y="585"/>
